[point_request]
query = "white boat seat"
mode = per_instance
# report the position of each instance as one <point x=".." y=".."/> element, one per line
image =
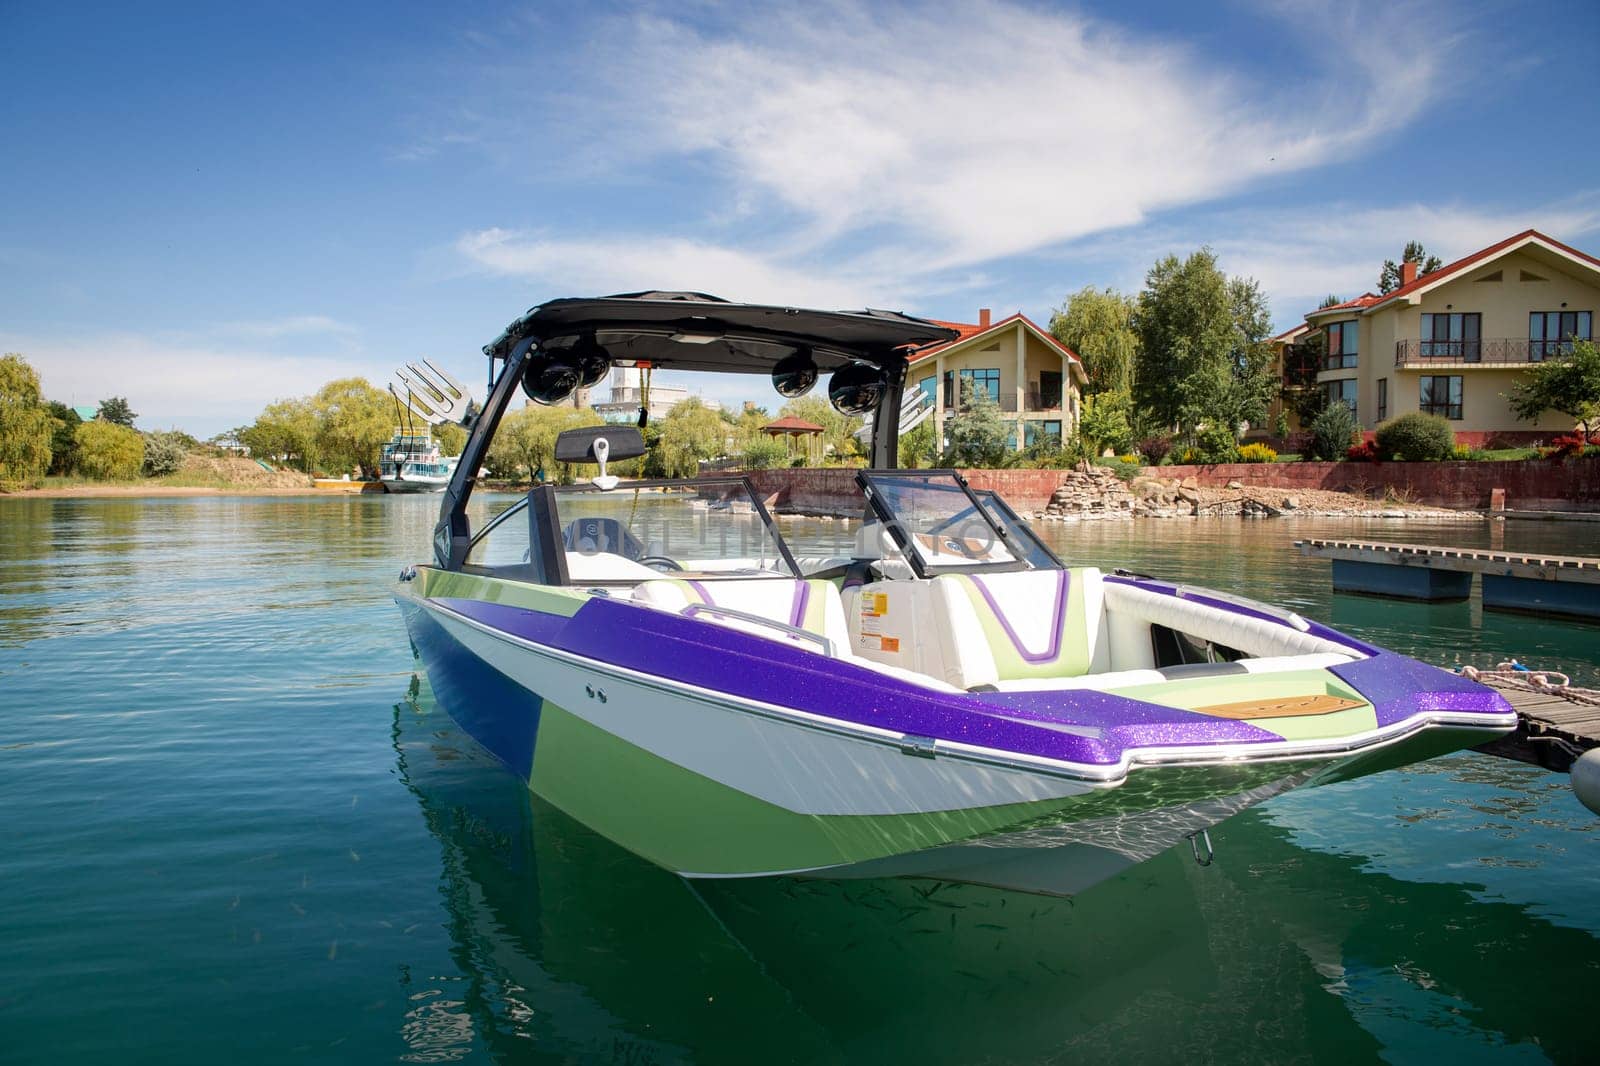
<point x="976" y="630"/>
<point x="810" y="605"/>
<point x="1132" y="610"/>
<point x="1029" y="624"/>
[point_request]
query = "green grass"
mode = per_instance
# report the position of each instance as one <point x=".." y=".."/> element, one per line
<point x="1508" y="453"/>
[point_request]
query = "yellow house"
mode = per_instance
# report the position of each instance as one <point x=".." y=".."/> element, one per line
<point x="1292" y="368"/>
<point x="1453" y="342"/>
<point x="1035" y="379"/>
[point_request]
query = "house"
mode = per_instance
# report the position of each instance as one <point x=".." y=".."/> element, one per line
<point x="1296" y="365"/>
<point x="627" y="396"/>
<point x="1453" y="342"/>
<point x="1035" y="379"/>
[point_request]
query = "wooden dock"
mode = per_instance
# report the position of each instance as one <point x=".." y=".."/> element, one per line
<point x="1556" y="725"/>
<point x="1566" y="585"/>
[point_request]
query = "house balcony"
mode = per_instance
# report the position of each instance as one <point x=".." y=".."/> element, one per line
<point x="1488" y="351"/>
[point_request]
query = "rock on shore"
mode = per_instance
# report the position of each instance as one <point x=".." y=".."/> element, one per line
<point x="1097" y="493"/>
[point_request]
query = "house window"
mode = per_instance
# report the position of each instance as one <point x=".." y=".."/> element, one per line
<point x="1441" y="395"/>
<point x="1552" y="332"/>
<point x="1383" y="399"/>
<point x="949" y="390"/>
<point x="927" y="387"/>
<point x="1342" y="340"/>
<point x="1040" y="432"/>
<point x="1343" y="391"/>
<point x="984" y="380"/>
<point x="1453" y="336"/>
<point x="1049" y="389"/>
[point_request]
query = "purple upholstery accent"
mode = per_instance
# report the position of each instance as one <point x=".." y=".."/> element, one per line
<point x="802" y="596"/>
<point x="727" y="660"/>
<point x="705" y="593"/>
<point x="1057" y="624"/>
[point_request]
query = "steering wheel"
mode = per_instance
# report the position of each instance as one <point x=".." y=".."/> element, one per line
<point x="976" y="547"/>
<point x="660" y="562"/>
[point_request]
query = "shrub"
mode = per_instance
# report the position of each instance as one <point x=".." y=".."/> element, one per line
<point x="1125" y="468"/>
<point x="164" y="453"/>
<point x="1416" y="438"/>
<point x="764" y="453"/>
<point x="1257" y="453"/>
<point x="1215" y="444"/>
<point x="1362" y="453"/>
<point x="109" y="452"/>
<point x="1156" y="448"/>
<point x="1569" y="445"/>
<point x="1330" y="433"/>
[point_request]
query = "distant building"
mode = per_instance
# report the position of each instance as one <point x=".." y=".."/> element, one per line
<point x="1034" y="378"/>
<point x="627" y="396"/>
<point x="1453" y="342"/>
<point x="87" y="412"/>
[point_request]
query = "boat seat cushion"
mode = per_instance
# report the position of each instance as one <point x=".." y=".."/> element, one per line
<point x="1030" y="624"/>
<point x="811" y="605"/>
<point x="1132" y="610"/>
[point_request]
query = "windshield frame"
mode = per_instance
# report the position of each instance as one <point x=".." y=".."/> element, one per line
<point x="877" y="499"/>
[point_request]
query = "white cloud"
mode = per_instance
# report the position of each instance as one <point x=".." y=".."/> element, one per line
<point x="202" y="388"/>
<point x="293" y="325"/>
<point x="627" y="264"/>
<point x="990" y="129"/>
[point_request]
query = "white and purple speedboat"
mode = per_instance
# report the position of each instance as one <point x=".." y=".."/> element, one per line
<point x="947" y="700"/>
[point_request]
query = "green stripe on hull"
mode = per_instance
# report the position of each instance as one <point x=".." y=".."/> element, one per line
<point x="455" y="585"/>
<point x="691" y="824"/>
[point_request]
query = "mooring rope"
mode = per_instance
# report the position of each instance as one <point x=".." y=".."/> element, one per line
<point x="1553" y="682"/>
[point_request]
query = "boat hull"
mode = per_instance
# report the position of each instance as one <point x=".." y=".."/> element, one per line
<point x="416" y="484"/>
<point x="705" y="787"/>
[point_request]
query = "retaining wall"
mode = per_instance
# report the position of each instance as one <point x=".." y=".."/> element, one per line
<point x="1532" y="484"/>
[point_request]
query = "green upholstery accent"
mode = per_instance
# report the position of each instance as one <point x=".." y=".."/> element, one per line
<point x="456" y="585"/>
<point x="1191" y="693"/>
<point x="1070" y="660"/>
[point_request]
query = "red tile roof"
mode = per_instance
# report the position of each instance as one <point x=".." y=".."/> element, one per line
<point x="791" y="424"/>
<point x="967" y="331"/>
<point x="1370" y="300"/>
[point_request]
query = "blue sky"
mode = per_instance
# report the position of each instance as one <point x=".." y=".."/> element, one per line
<point x="206" y="207"/>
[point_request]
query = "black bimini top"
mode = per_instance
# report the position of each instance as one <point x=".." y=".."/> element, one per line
<point x="693" y="331"/>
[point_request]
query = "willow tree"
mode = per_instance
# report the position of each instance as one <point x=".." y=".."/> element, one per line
<point x="690" y="432"/>
<point x="525" y="443"/>
<point x="1098" y="324"/>
<point x="354" y="420"/>
<point x="26" y="427"/>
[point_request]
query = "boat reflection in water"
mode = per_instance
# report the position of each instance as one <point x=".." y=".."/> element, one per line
<point x="572" y="948"/>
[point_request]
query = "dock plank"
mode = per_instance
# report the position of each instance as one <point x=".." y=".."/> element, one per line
<point x="1555" y="727"/>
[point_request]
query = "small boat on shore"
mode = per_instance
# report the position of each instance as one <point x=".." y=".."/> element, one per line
<point x="949" y="700"/>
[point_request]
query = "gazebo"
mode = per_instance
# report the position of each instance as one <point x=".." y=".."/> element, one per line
<point x="798" y="430"/>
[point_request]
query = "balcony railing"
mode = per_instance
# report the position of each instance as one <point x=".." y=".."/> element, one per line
<point x="1489" y="351"/>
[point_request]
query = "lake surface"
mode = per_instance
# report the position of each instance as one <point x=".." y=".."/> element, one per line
<point x="237" y="829"/>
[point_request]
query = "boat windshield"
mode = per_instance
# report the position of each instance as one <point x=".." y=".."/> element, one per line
<point x="943" y="527"/>
<point x="701" y="529"/>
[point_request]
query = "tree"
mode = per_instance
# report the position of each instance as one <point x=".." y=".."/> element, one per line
<point x="451" y="437"/>
<point x="1330" y="300"/>
<point x="63" y="447"/>
<point x="919" y="447"/>
<point x="838" y="436"/>
<point x="287" y="431"/>
<point x="763" y="453"/>
<point x="117" y="412"/>
<point x="354" y="421"/>
<point x="164" y="452"/>
<point x="1204" y="355"/>
<point x="26" y="427"/>
<point x="109" y="451"/>
<point x="1389" y="277"/>
<point x="525" y="443"/>
<point x="1331" y="432"/>
<point x="978" y="434"/>
<point x="1569" y="384"/>
<point x="1104" y="423"/>
<point x="690" y="432"/>
<point x="1098" y="324"/>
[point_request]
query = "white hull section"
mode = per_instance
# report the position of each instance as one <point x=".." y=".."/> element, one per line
<point x="802" y="768"/>
<point x="416" y="484"/>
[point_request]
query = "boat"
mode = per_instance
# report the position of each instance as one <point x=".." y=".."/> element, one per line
<point x="946" y="699"/>
<point x="411" y="462"/>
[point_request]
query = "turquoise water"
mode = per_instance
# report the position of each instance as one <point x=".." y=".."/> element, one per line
<point x="238" y="830"/>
